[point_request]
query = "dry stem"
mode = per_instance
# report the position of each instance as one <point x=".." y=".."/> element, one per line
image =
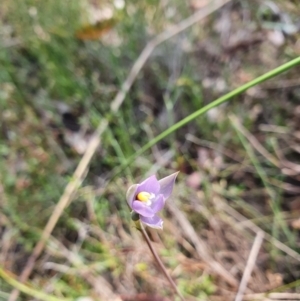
<point x="250" y="265"/>
<point x="158" y="260"/>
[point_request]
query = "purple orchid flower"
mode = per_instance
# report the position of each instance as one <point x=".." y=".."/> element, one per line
<point x="149" y="197"/>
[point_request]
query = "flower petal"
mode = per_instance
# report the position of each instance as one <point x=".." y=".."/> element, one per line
<point x="153" y="222"/>
<point x="150" y="185"/>
<point x="167" y="184"/>
<point x="158" y="203"/>
<point x="142" y="209"/>
<point x="131" y="193"/>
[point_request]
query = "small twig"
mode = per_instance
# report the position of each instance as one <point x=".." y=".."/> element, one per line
<point x="246" y="223"/>
<point x="200" y="246"/>
<point x="286" y="166"/>
<point x="95" y="141"/>
<point x="254" y="142"/>
<point x="250" y="265"/>
<point x="158" y="260"/>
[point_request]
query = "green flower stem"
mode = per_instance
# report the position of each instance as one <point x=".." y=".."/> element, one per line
<point x="28" y="290"/>
<point x="206" y="108"/>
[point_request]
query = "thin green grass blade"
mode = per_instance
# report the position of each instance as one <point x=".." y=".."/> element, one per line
<point x="28" y="290"/>
<point x="206" y="108"/>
